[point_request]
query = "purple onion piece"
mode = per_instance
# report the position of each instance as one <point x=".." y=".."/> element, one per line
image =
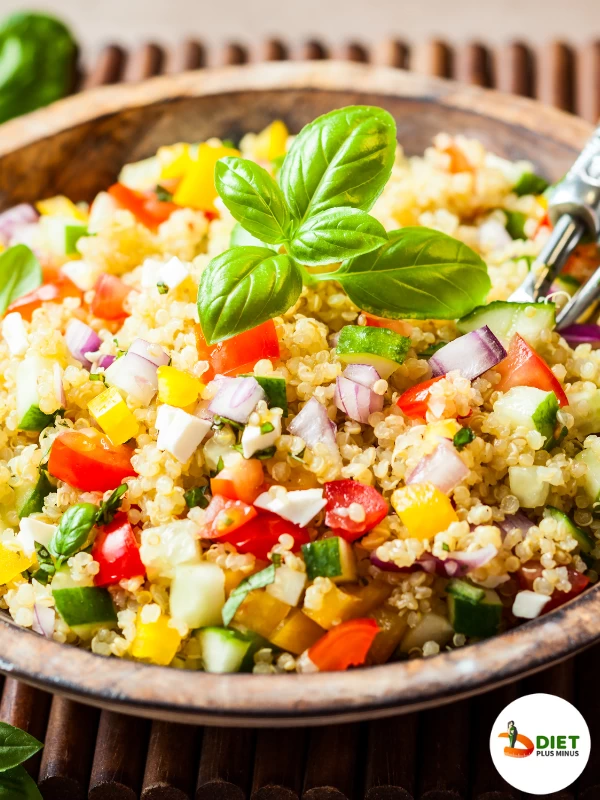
<point x="581" y="334"/>
<point x="135" y="376"/>
<point x="237" y="398"/>
<point x="105" y="360"/>
<point x="14" y="218"/>
<point x="355" y="400"/>
<point x="151" y="352"/>
<point x="81" y="339"/>
<point x="457" y="565"/>
<point x="471" y="354"/>
<point x="364" y="374"/>
<point x="43" y="620"/>
<point x="313" y="425"/>
<point x="443" y="467"/>
<point x="512" y="521"/>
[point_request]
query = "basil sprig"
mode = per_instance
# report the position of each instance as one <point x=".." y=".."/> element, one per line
<point x="73" y="531"/>
<point x="257" y="581"/>
<point x="16" y="746"/>
<point x="20" y="272"/>
<point x="108" y="508"/>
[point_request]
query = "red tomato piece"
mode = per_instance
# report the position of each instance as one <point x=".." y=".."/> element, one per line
<point x="396" y="325"/>
<point x="262" y="533"/>
<point x="89" y="461"/>
<point x="523" y="367"/>
<point x="340" y="495"/>
<point x="54" y="292"/>
<point x="344" y="646"/>
<point x="118" y="553"/>
<point x="145" y="206"/>
<point x="413" y="402"/>
<point x="241" y="352"/>
<point x="531" y="570"/>
<point x="110" y="294"/>
<point x="243" y="481"/>
<point x="224" y="516"/>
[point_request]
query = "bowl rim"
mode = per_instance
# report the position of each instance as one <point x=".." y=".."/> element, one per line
<point x="298" y="699"/>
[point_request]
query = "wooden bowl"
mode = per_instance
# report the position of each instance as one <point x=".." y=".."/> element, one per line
<point x="76" y="147"/>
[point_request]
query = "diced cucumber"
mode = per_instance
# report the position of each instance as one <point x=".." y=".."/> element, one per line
<point x="85" y="609"/>
<point x="505" y="319"/>
<point x="30" y="498"/>
<point x="432" y="628"/>
<point x="592" y="475"/>
<point x="223" y="649"/>
<point x="73" y="234"/>
<point x="585" y="408"/>
<point x="528" y="486"/>
<point x="528" y="407"/>
<point x="585" y="541"/>
<point x="274" y="388"/>
<point x="381" y="348"/>
<point x="330" y="558"/>
<point x="198" y="594"/>
<point x="474" y="613"/>
<point x="29" y="371"/>
<point x="257" y="642"/>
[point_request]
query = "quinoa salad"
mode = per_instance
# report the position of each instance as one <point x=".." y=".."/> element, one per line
<point x="265" y="405"/>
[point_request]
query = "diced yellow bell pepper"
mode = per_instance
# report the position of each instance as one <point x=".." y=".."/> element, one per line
<point x="424" y="509"/>
<point x="442" y="429"/>
<point x="392" y="627"/>
<point x="174" y="160"/>
<point x="60" y="206"/>
<point x="371" y="596"/>
<point x="270" y="143"/>
<point x="296" y="633"/>
<point x="176" y="387"/>
<point x="261" y="612"/>
<point x="197" y="187"/>
<point x="233" y="578"/>
<point x="111" y="413"/>
<point x="155" y="642"/>
<point x="338" y="606"/>
<point x="542" y="200"/>
<point x="12" y="563"/>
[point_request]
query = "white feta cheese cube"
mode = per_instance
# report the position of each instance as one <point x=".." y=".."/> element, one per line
<point x="32" y="531"/>
<point x="101" y="212"/>
<point x="529" y="605"/>
<point x="298" y="506"/>
<point x="179" y="433"/>
<point x="14" y="333"/>
<point x="172" y="273"/>
<point x="254" y="440"/>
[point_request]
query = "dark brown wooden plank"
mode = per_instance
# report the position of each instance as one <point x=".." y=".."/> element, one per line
<point x="108" y="68"/>
<point x="554" y="83"/>
<point x="68" y="750"/>
<point x="473" y="65"/>
<point x="444" y="758"/>
<point x="391" y="53"/>
<point x="279" y="764"/>
<point x="226" y="763"/>
<point x="433" y="58"/>
<point x="391" y="758"/>
<point x="486" y="782"/>
<point x="187" y="55"/>
<point x="588" y="82"/>
<point x="515" y="71"/>
<point x="26" y="708"/>
<point x="333" y="763"/>
<point x="171" y="762"/>
<point x="145" y="62"/>
<point x="119" y="758"/>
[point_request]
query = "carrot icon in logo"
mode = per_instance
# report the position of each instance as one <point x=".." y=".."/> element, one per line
<point x="513" y="737"/>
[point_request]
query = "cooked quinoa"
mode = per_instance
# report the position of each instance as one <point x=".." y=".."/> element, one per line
<point x="457" y="188"/>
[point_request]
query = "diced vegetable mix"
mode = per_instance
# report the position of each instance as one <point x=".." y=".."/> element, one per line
<point x="285" y="478"/>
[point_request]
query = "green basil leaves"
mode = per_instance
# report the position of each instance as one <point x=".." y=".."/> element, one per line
<point x="20" y="272"/>
<point x="16" y="746"/>
<point x="73" y="531"/>
<point x="335" y="234"/>
<point x="257" y="581"/>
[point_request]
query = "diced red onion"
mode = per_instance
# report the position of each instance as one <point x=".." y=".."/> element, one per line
<point x="43" y="620"/>
<point x="581" y="334"/>
<point x="457" y="565"/>
<point x="471" y="354"/>
<point x="14" y="218"/>
<point x="443" y="467"/>
<point x="237" y="398"/>
<point x="313" y="425"/>
<point x="81" y="339"/>
<point x="151" y="352"/>
<point x="512" y="521"/>
<point x="364" y="374"/>
<point x="58" y="386"/>
<point x="356" y="401"/>
<point x="135" y="376"/>
<point x="105" y="361"/>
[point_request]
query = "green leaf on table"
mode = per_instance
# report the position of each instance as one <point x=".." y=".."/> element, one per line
<point x="335" y="234"/>
<point x="254" y="198"/>
<point x="20" y="272"/>
<point x="257" y="581"/>
<point x="419" y="273"/>
<point x="243" y="287"/>
<point x="17" y="784"/>
<point x="16" y="746"/>
<point x="73" y="531"/>
<point x="343" y="158"/>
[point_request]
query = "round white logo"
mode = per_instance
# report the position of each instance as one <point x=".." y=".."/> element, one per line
<point x="540" y="743"/>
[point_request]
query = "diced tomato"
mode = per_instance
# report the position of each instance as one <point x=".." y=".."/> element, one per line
<point x="523" y="367"/>
<point x="241" y="352"/>
<point x="110" y="294"/>
<point x="583" y="261"/>
<point x="243" y="481"/>
<point x="224" y="516"/>
<point x="262" y="533"/>
<point x="145" y="206"/>
<point x="88" y="460"/>
<point x="54" y="292"/>
<point x="344" y="646"/>
<point x="340" y="495"/>
<point x="117" y="552"/>
<point x="396" y="325"/>
<point x="413" y="402"/>
<point x="531" y="570"/>
<point x="543" y="223"/>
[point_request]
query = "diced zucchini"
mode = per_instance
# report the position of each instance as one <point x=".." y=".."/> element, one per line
<point x="592" y="476"/>
<point x="381" y="348"/>
<point x="257" y="642"/>
<point x="528" y="407"/>
<point x="473" y="611"/>
<point x="274" y="388"/>
<point x="85" y="609"/>
<point x="223" y="649"/>
<point x="30" y="498"/>
<point x="585" y="408"/>
<point x="528" y="486"/>
<point x="585" y="541"/>
<point x="505" y="319"/>
<point x="73" y="234"/>
<point x="29" y="371"/>
<point x="465" y="590"/>
<point x="432" y="628"/>
<point x="198" y="594"/>
<point x="330" y="558"/>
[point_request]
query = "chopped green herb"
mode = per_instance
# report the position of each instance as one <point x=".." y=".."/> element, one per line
<point x="266" y="427"/>
<point x="265" y="454"/>
<point x="108" y="508"/>
<point x="162" y="194"/>
<point x="300" y="456"/>
<point x="97" y="376"/>
<point x="445" y="547"/>
<point x="219" y="422"/>
<point x="462" y="438"/>
<point x="257" y="581"/>
<point x="196" y="497"/>
<point x="162" y="287"/>
<point x="45" y="569"/>
<point x="276" y="559"/>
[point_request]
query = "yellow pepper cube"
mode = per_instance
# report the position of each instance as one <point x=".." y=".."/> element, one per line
<point x="337" y="606"/>
<point x="270" y="143"/>
<point x="261" y="612"/>
<point x="423" y="509"/>
<point x="155" y="642"/>
<point x="174" y="160"/>
<point x="392" y="627"/>
<point x="176" y="387"/>
<point x="197" y="188"/>
<point x="233" y="578"/>
<point x="442" y="429"/>
<point x="371" y="596"/>
<point x="296" y="633"/>
<point x="12" y="563"/>
<point x="60" y="206"/>
<point x="111" y="413"/>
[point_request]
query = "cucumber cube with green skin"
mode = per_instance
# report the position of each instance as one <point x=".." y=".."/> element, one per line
<point x="591" y="479"/>
<point x="85" y="609"/>
<point x="381" y="348"/>
<point x="480" y="617"/>
<point x="505" y="319"/>
<point x="30" y="499"/>
<point x="223" y="649"/>
<point x="274" y="388"/>
<point x="528" y="486"/>
<point x="585" y="408"/>
<point x="330" y="558"/>
<point x="585" y="541"/>
<point x="73" y="234"/>
<point x="257" y="642"/>
<point x="29" y="372"/>
<point x="528" y="407"/>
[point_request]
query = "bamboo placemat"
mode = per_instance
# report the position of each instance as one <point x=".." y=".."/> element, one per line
<point x="441" y="754"/>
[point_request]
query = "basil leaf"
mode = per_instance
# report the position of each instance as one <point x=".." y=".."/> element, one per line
<point x="16" y="746"/>
<point x="253" y="198"/>
<point x="240" y="237"/>
<point x="196" y="497"/>
<point x="243" y="287"/>
<point x="17" y="784"/>
<point x="45" y="568"/>
<point x="20" y="272"/>
<point x="343" y="158"/>
<point x="335" y="234"/>
<point x="236" y="598"/>
<point x="108" y="508"/>
<point x="73" y="531"/>
<point x="419" y="273"/>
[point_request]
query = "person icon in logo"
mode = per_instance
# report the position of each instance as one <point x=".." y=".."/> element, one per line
<point x="512" y="733"/>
